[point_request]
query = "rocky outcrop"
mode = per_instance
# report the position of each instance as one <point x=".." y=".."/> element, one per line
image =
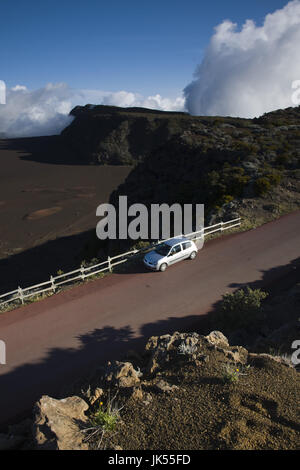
<point x="192" y="346"/>
<point x="183" y="377"/>
<point x="122" y="374"/>
<point x="58" y="423"/>
<point x="217" y="338"/>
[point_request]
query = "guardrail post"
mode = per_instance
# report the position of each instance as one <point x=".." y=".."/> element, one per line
<point x="52" y="283"/>
<point x="21" y="296"/>
<point x="109" y="264"/>
<point x="82" y="273"/>
<point x="221" y="223"/>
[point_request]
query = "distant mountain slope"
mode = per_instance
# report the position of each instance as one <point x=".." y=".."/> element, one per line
<point x="112" y="135"/>
<point x="217" y="161"/>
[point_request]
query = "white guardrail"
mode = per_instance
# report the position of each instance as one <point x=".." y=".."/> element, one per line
<point x="85" y="272"/>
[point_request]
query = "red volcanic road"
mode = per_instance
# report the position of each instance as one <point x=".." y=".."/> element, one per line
<point x="50" y="343"/>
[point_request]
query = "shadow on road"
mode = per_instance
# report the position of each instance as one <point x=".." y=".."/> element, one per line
<point x="275" y="279"/>
<point x="57" y="375"/>
<point x="61" y="368"/>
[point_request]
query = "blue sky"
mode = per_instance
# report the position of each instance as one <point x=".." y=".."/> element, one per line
<point x="145" y="47"/>
<point x="212" y="58"/>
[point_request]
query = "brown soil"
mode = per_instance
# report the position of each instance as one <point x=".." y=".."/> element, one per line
<point x="42" y="213"/>
<point x="259" y="411"/>
<point x="46" y="197"/>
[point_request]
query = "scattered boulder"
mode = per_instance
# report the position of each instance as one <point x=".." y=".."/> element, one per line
<point x="163" y="386"/>
<point x="161" y="345"/>
<point x="57" y="423"/>
<point x="122" y="374"/>
<point x="237" y="354"/>
<point x="137" y="393"/>
<point x="217" y="338"/>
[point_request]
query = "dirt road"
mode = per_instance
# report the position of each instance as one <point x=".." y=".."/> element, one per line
<point x="52" y="342"/>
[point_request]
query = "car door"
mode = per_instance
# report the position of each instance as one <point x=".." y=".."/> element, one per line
<point x="187" y="249"/>
<point x="175" y="254"/>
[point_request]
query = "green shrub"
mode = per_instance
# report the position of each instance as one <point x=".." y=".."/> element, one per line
<point x="236" y="180"/>
<point x="265" y="183"/>
<point x="232" y="372"/>
<point x="226" y="199"/>
<point x="240" y="309"/>
<point x="224" y="185"/>
<point x="262" y="186"/>
<point x="141" y="245"/>
<point x="106" y="417"/>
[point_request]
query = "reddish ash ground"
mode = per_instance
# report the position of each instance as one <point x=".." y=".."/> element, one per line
<point x="52" y="342"/>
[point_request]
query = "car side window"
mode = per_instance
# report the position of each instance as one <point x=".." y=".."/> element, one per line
<point x="186" y="245"/>
<point x="175" y="249"/>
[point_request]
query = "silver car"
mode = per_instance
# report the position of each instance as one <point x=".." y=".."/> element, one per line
<point x="170" y="252"/>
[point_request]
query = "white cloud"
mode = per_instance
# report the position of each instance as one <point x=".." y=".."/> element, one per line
<point x="45" y="111"/>
<point x="19" y="87"/>
<point x="248" y="72"/>
<point x="32" y="113"/>
<point x="244" y="73"/>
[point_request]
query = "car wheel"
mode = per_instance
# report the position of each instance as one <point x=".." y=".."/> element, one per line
<point x="193" y="255"/>
<point x="163" y="267"/>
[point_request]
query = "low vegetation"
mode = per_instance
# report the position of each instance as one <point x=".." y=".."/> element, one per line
<point x="240" y="309"/>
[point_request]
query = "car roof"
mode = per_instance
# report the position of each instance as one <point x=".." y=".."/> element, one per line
<point x="176" y="240"/>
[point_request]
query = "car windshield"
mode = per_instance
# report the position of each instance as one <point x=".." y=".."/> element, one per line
<point x="162" y="249"/>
